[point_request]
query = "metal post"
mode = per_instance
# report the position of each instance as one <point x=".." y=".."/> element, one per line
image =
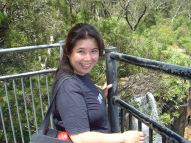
<point x="122" y="114"/>
<point x="61" y="48"/>
<point x="111" y="74"/>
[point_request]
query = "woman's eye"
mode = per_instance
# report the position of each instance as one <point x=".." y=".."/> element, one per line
<point x="94" y="51"/>
<point x="80" y="51"/>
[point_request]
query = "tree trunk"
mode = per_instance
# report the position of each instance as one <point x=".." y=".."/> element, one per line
<point x="179" y="123"/>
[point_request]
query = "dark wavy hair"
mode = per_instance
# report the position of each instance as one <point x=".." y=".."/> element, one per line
<point x="78" y="32"/>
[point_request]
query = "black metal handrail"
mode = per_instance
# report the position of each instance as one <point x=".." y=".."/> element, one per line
<point x="164" y="131"/>
<point x="171" y="69"/>
<point x="113" y="100"/>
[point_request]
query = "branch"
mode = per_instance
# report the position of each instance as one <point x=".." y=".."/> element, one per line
<point x="121" y="10"/>
<point x="126" y="14"/>
<point x="106" y="12"/>
<point x="176" y="13"/>
<point x="140" y="17"/>
<point x="127" y="19"/>
<point x="2" y="39"/>
<point x="160" y="5"/>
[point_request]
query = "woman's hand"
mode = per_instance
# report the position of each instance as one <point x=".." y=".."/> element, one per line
<point x="133" y="137"/>
<point x="105" y="89"/>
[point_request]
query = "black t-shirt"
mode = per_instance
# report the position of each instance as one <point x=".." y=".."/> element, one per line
<point x="80" y="106"/>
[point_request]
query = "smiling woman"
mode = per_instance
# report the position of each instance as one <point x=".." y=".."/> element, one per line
<point x="84" y="56"/>
<point x="80" y="108"/>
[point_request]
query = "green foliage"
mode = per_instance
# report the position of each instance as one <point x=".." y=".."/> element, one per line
<point x="2" y="18"/>
<point x="171" y="94"/>
<point x="114" y="32"/>
<point x="149" y="19"/>
<point x="97" y="73"/>
<point x="3" y="27"/>
<point x="165" y="118"/>
<point x="176" y="55"/>
<point x="159" y="36"/>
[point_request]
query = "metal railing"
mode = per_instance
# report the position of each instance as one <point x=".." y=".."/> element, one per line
<point x="115" y="102"/>
<point x="24" y="97"/>
<point x="24" y="92"/>
<point x="36" y="47"/>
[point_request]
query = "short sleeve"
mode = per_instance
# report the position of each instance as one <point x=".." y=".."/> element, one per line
<point x="72" y="108"/>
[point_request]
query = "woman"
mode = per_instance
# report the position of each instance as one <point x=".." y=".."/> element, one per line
<point x="80" y="109"/>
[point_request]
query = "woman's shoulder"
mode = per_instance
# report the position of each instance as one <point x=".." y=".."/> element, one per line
<point x="70" y="85"/>
<point x="70" y="81"/>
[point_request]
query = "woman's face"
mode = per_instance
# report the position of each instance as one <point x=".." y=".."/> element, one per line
<point x="84" y="56"/>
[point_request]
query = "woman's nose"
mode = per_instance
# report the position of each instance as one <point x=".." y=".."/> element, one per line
<point x="88" y="56"/>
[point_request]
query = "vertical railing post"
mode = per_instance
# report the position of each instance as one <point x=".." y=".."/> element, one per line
<point x="61" y="48"/>
<point x="111" y="74"/>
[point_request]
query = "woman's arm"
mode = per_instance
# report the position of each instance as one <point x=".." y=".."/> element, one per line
<point x="96" y="137"/>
